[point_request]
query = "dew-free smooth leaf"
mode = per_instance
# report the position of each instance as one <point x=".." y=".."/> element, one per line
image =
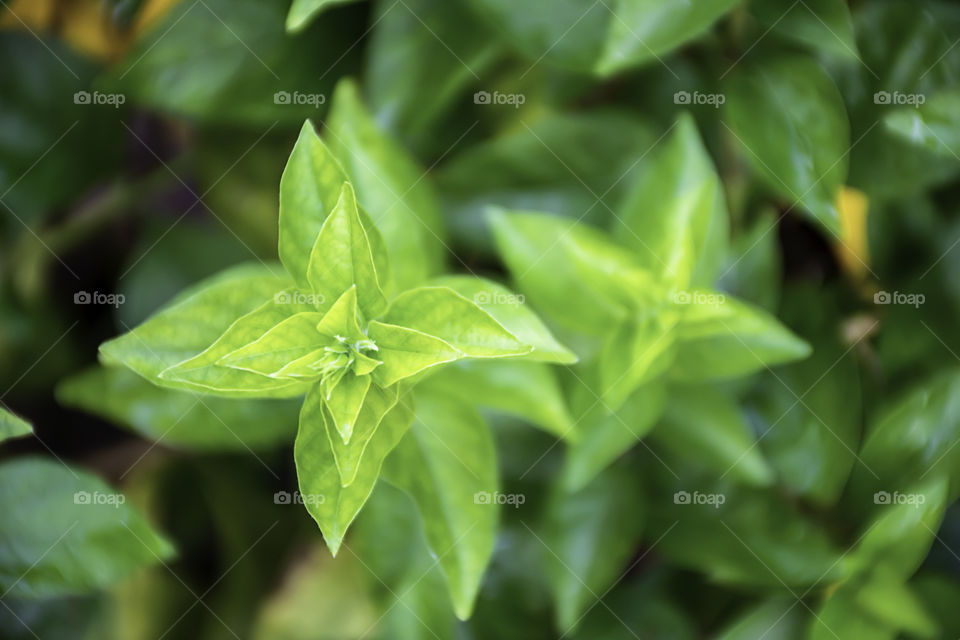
<point x="348" y="455"/>
<point x="840" y="617"/>
<point x="707" y="427"/>
<point x="195" y="319"/>
<point x="721" y="337"/>
<point x="791" y="122"/>
<point x="821" y="25"/>
<point x="12" y="427"/>
<point x="405" y="352"/>
<point x="342" y="257"/>
<point x="332" y="505"/>
<point x="344" y="403"/>
<point x="181" y="418"/>
<point x="64" y="531"/>
<point x="391" y="187"/>
<point x="290" y="339"/>
<point x="889" y="600"/>
<point x="447" y="462"/>
<point x="773" y="619"/>
<point x="303" y="11"/>
<point x="933" y="125"/>
<point x="675" y="216"/>
<point x="637" y="352"/>
<point x="511" y="310"/>
<point x="590" y="534"/>
<point x="443" y="313"/>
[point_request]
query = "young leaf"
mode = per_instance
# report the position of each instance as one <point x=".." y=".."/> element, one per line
<point x="342" y="257"/>
<point x="65" y="532"/>
<point x="291" y="338"/>
<point x="302" y="12"/>
<point x="636" y="353"/>
<point x="348" y="455"/>
<point x="447" y="463"/>
<point x="405" y="352"/>
<point x="12" y="427"/>
<point x="720" y="337"/>
<point x="590" y="534"/>
<point x="792" y="123"/>
<point x="332" y="505"/>
<point x="675" y="217"/>
<point x="443" y="313"/>
<point x="194" y="320"/>
<point x="511" y="310"/>
<point x="344" y="402"/>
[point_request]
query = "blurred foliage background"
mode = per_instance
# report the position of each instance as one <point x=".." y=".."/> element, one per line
<point x="141" y="148"/>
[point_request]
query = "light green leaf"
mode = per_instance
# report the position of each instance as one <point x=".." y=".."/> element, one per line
<point x="447" y="463"/>
<point x="636" y="353"/>
<point x="840" y="617"/>
<point x="181" y="418"/>
<point x="405" y="352"/>
<point x="195" y="319"/>
<point x="509" y="385"/>
<point x="348" y="455"/>
<point x="511" y="310"/>
<point x="443" y="313"/>
<point x="590" y="535"/>
<point x="822" y="25"/>
<point x="303" y="11"/>
<point x="933" y="125"/>
<point x="309" y="189"/>
<point x="65" y="531"/>
<point x="707" y="428"/>
<point x="332" y="505"/>
<point x="647" y="30"/>
<point x="571" y="271"/>
<point x="603" y="434"/>
<point x="12" y="427"/>
<point x="893" y="603"/>
<point x="773" y="619"/>
<point x="391" y="187"/>
<point x="344" y="402"/>
<point x="290" y="339"/>
<point x="720" y="337"/>
<point x="342" y="257"/>
<point x="203" y="373"/>
<point x="675" y="216"/>
<point x="791" y="121"/>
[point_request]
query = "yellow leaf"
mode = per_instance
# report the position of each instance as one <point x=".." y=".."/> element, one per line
<point x="853" y="251"/>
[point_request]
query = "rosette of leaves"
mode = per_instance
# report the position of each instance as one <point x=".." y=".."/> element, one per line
<point x="327" y="328"/>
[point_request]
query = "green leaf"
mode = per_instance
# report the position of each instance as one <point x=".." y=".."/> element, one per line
<point x="675" y="216"/>
<point x="303" y="11"/>
<point x="603" y="434"/>
<point x="332" y="505"/>
<point x="349" y="454"/>
<point x="511" y="310"/>
<point x="773" y="619"/>
<point x="194" y="320"/>
<point x="707" y="428"/>
<point x="65" y="532"/>
<point x="204" y="373"/>
<point x="840" y="617"/>
<point x="571" y="271"/>
<point x="406" y="352"/>
<point x="822" y="25"/>
<point x="509" y="385"/>
<point x="637" y="352"/>
<point x="720" y="337"/>
<point x="12" y="427"/>
<point x="590" y="535"/>
<point x="342" y="257"/>
<point x="344" y="402"/>
<point x="753" y="272"/>
<point x="290" y="339"/>
<point x="933" y="125"/>
<point x="447" y="463"/>
<point x="180" y="418"/>
<point x="647" y="30"/>
<point x="892" y="602"/>
<point x="790" y="120"/>
<point x="443" y="313"/>
<point x="391" y="187"/>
